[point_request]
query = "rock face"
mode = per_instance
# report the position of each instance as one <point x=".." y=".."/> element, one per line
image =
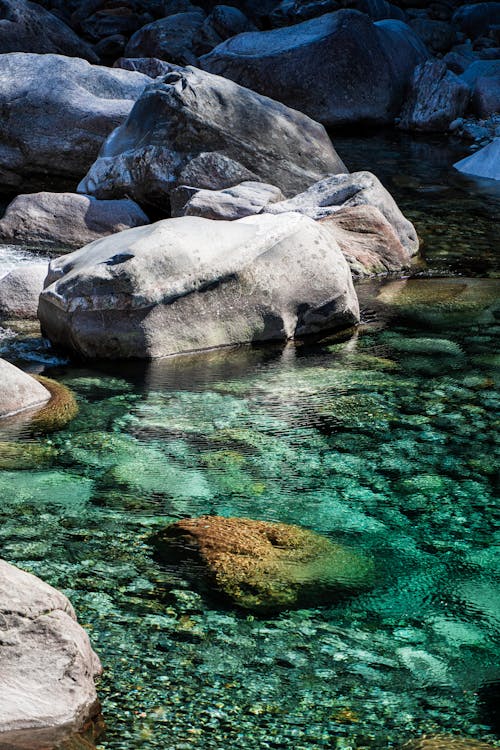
<point x="56" y="112"/>
<point x="262" y="566"/>
<point x="164" y="132"/>
<point x="245" y="199"/>
<point x="326" y="197"/>
<point x="437" y="97"/>
<point x="66" y="220"/>
<point x="189" y="284"/>
<point x="483" y="163"/>
<point x="19" y="291"/>
<point x="170" y="38"/>
<point x="47" y="687"/>
<point x="369" y="243"/>
<point x="27" y="27"/>
<point x="339" y="69"/>
<point x="19" y="392"/>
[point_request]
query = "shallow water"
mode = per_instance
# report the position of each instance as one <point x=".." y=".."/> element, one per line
<point x="386" y="441"/>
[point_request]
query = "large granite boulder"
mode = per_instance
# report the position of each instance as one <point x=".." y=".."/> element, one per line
<point x="340" y="68"/>
<point x="27" y="27"/>
<point x="436" y="98"/>
<point x="223" y="22"/>
<point x="170" y="38"/>
<point x="65" y="221"/>
<point x="483" y="163"/>
<point x="47" y="690"/>
<point x="56" y="112"/>
<point x="192" y="112"/>
<point x="327" y="197"/>
<point x="20" y="289"/>
<point x="260" y="565"/>
<point x="368" y="241"/>
<point x="19" y="393"/>
<point x="189" y="284"/>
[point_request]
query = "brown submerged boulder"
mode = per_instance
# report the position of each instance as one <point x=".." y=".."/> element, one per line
<point x="446" y="742"/>
<point x="262" y="566"/>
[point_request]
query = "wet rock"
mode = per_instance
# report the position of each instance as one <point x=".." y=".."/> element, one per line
<point x="262" y="566"/>
<point x="446" y="742"/>
<point x="170" y="38"/>
<point x="27" y="27"/>
<point x="459" y="59"/>
<point x="66" y="220"/>
<point x="56" y="113"/>
<point x="481" y="69"/>
<point x="475" y="19"/>
<point x="310" y="66"/>
<point x="326" y="197"/>
<point x="58" y="412"/>
<point x="367" y="240"/>
<point x="188" y="284"/>
<point x="20" y="289"/>
<point x="486" y="97"/>
<point x="47" y="690"/>
<point x="437" y="97"/>
<point x="19" y="391"/>
<point x="245" y="199"/>
<point x="482" y="163"/>
<point x="144" y="157"/>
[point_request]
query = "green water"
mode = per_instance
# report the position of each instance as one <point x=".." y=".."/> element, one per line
<point x="386" y="440"/>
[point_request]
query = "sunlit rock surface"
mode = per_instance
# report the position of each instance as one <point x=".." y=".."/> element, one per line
<point x="19" y="391"/>
<point x="189" y="283"/>
<point x="47" y="689"/>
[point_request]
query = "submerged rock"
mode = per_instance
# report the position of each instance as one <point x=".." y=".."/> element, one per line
<point x="47" y="690"/>
<point x="60" y="410"/>
<point x="340" y="68"/>
<point x="483" y="163"/>
<point x="189" y="284"/>
<point x="66" y="220"/>
<point x="57" y="111"/>
<point x="446" y="742"/>
<point x="144" y="157"/>
<point x="19" y="391"/>
<point x="20" y="289"/>
<point x="262" y="566"/>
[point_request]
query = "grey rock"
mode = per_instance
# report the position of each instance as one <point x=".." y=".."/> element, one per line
<point x="214" y="171"/>
<point x="475" y="19"/>
<point x="245" y="199"/>
<point x="486" y="97"/>
<point x="481" y="69"/>
<point x="437" y="97"/>
<point x="339" y="69"/>
<point x="378" y="10"/>
<point x="367" y="240"/>
<point x="170" y="38"/>
<point x="47" y="688"/>
<point x="290" y="12"/>
<point x="19" y="393"/>
<point x="27" y="27"/>
<point x="438" y="36"/>
<point x="19" y="291"/>
<point x="56" y="112"/>
<point x="111" y="47"/>
<point x="66" y="220"/>
<point x="483" y="163"/>
<point x="109" y="21"/>
<point x="223" y="22"/>
<point x="145" y="156"/>
<point x="459" y="59"/>
<point x="326" y="197"/>
<point x="148" y="66"/>
<point x="189" y="284"/>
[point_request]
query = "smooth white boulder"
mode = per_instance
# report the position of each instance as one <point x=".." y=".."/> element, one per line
<point x="20" y="289"/>
<point x="47" y="689"/>
<point x="189" y="284"/>
<point x="19" y="392"/>
<point x="483" y="163"/>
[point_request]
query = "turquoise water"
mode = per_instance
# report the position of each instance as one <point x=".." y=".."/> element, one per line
<point x="385" y="439"/>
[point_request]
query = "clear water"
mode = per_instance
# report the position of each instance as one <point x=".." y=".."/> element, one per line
<point x="387" y="440"/>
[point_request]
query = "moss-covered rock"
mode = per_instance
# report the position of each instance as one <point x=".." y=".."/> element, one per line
<point x="18" y="455"/>
<point x="60" y="410"/>
<point x="262" y="566"/>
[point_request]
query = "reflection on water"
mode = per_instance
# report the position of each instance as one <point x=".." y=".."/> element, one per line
<point x="386" y="442"/>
